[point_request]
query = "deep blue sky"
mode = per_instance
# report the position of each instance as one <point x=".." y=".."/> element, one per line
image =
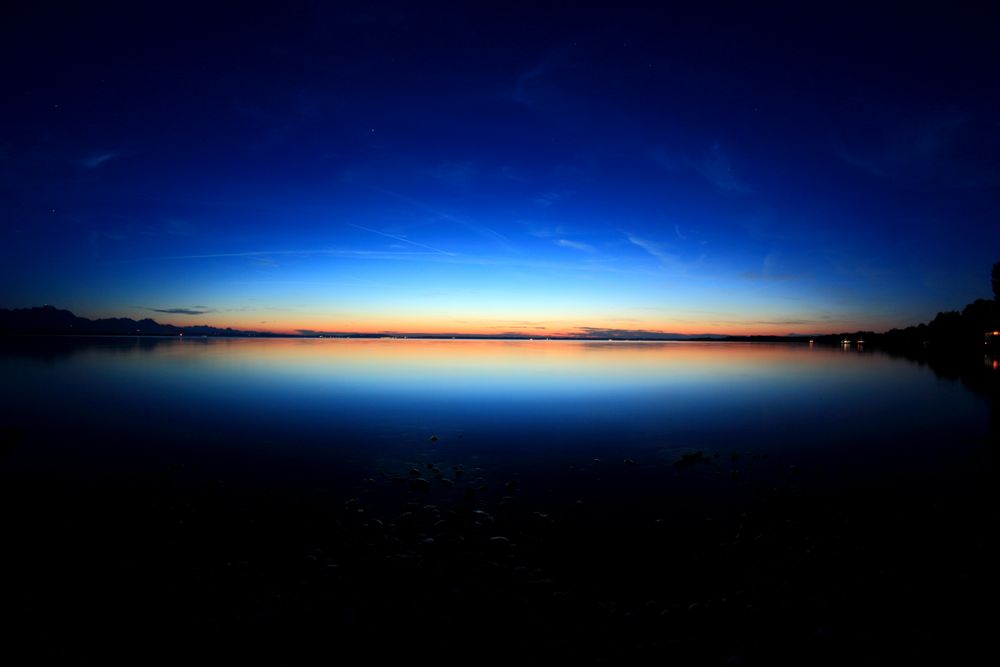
<point x="496" y="168"/>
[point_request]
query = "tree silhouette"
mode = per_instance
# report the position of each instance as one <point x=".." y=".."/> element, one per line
<point x="996" y="282"/>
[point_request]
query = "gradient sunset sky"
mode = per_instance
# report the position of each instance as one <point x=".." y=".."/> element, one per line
<point x="493" y="168"/>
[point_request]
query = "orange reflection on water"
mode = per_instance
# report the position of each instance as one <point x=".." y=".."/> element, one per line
<point x="544" y="361"/>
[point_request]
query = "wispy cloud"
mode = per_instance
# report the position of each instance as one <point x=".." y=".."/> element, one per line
<point x="547" y="199"/>
<point x="654" y="249"/>
<point x="544" y="232"/>
<point x="454" y="172"/>
<point x="942" y="149"/>
<point x="98" y="238"/>
<point x="770" y="270"/>
<point x="175" y="227"/>
<point x="857" y="268"/>
<point x="518" y="174"/>
<point x="592" y="265"/>
<point x="283" y="119"/>
<point x="773" y="277"/>
<point x="439" y="215"/>
<point x="548" y="87"/>
<point x="603" y="332"/>
<point x="373" y="254"/>
<point x="316" y="332"/>
<point x="669" y="161"/>
<point x="575" y="245"/>
<point x="522" y="92"/>
<point x="183" y="311"/>
<point x="715" y="167"/>
<point x="95" y="161"/>
<point x="790" y="321"/>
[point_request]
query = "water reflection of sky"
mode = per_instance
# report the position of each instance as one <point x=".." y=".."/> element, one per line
<point x="389" y="396"/>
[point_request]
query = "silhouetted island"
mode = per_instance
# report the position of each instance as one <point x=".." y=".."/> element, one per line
<point x="52" y="321"/>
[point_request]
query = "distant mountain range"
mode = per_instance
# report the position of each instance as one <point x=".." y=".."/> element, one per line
<point x="52" y="321"/>
<point x="49" y="320"/>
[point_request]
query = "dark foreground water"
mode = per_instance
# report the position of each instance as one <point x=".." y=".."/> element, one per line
<point x="267" y="501"/>
<point x="314" y="402"/>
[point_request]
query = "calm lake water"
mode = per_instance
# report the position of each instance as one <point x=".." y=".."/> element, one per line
<point x="122" y="406"/>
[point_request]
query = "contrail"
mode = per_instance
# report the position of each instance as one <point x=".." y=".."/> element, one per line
<point x="405" y="240"/>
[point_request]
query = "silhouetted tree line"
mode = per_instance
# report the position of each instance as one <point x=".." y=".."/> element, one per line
<point x="952" y="345"/>
<point x="950" y="333"/>
<point x="953" y="331"/>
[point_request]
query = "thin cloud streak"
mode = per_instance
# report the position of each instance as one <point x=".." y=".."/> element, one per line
<point x="717" y="169"/>
<point x="377" y="254"/>
<point x="438" y="214"/>
<point x="591" y="265"/>
<point x="182" y="311"/>
<point x="654" y="249"/>
<point x="714" y="167"/>
<point x="95" y="161"/>
<point x="575" y="245"/>
<point x="403" y="239"/>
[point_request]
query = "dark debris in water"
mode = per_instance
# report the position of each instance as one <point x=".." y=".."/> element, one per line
<point x="692" y="459"/>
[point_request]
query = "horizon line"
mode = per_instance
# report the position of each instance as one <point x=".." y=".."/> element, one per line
<point x="592" y="333"/>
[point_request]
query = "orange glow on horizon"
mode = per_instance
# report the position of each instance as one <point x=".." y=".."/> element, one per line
<point x="385" y="326"/>
<point x="529" y="324"/>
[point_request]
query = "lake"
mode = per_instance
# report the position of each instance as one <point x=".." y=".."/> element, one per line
<point x="285" y="501"/>
<point x="340" y="407"/>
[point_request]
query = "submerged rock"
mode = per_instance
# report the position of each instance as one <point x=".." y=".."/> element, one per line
<point x="688" y="460"/>
<point x="499" y="542"/>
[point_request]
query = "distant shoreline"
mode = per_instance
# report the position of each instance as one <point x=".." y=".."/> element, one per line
<point x="52" y="321"/>
<point x="914" y="341"/>
<point x="712" y="339"/>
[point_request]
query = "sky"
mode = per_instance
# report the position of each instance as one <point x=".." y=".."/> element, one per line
<point x="537" y="169"/>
